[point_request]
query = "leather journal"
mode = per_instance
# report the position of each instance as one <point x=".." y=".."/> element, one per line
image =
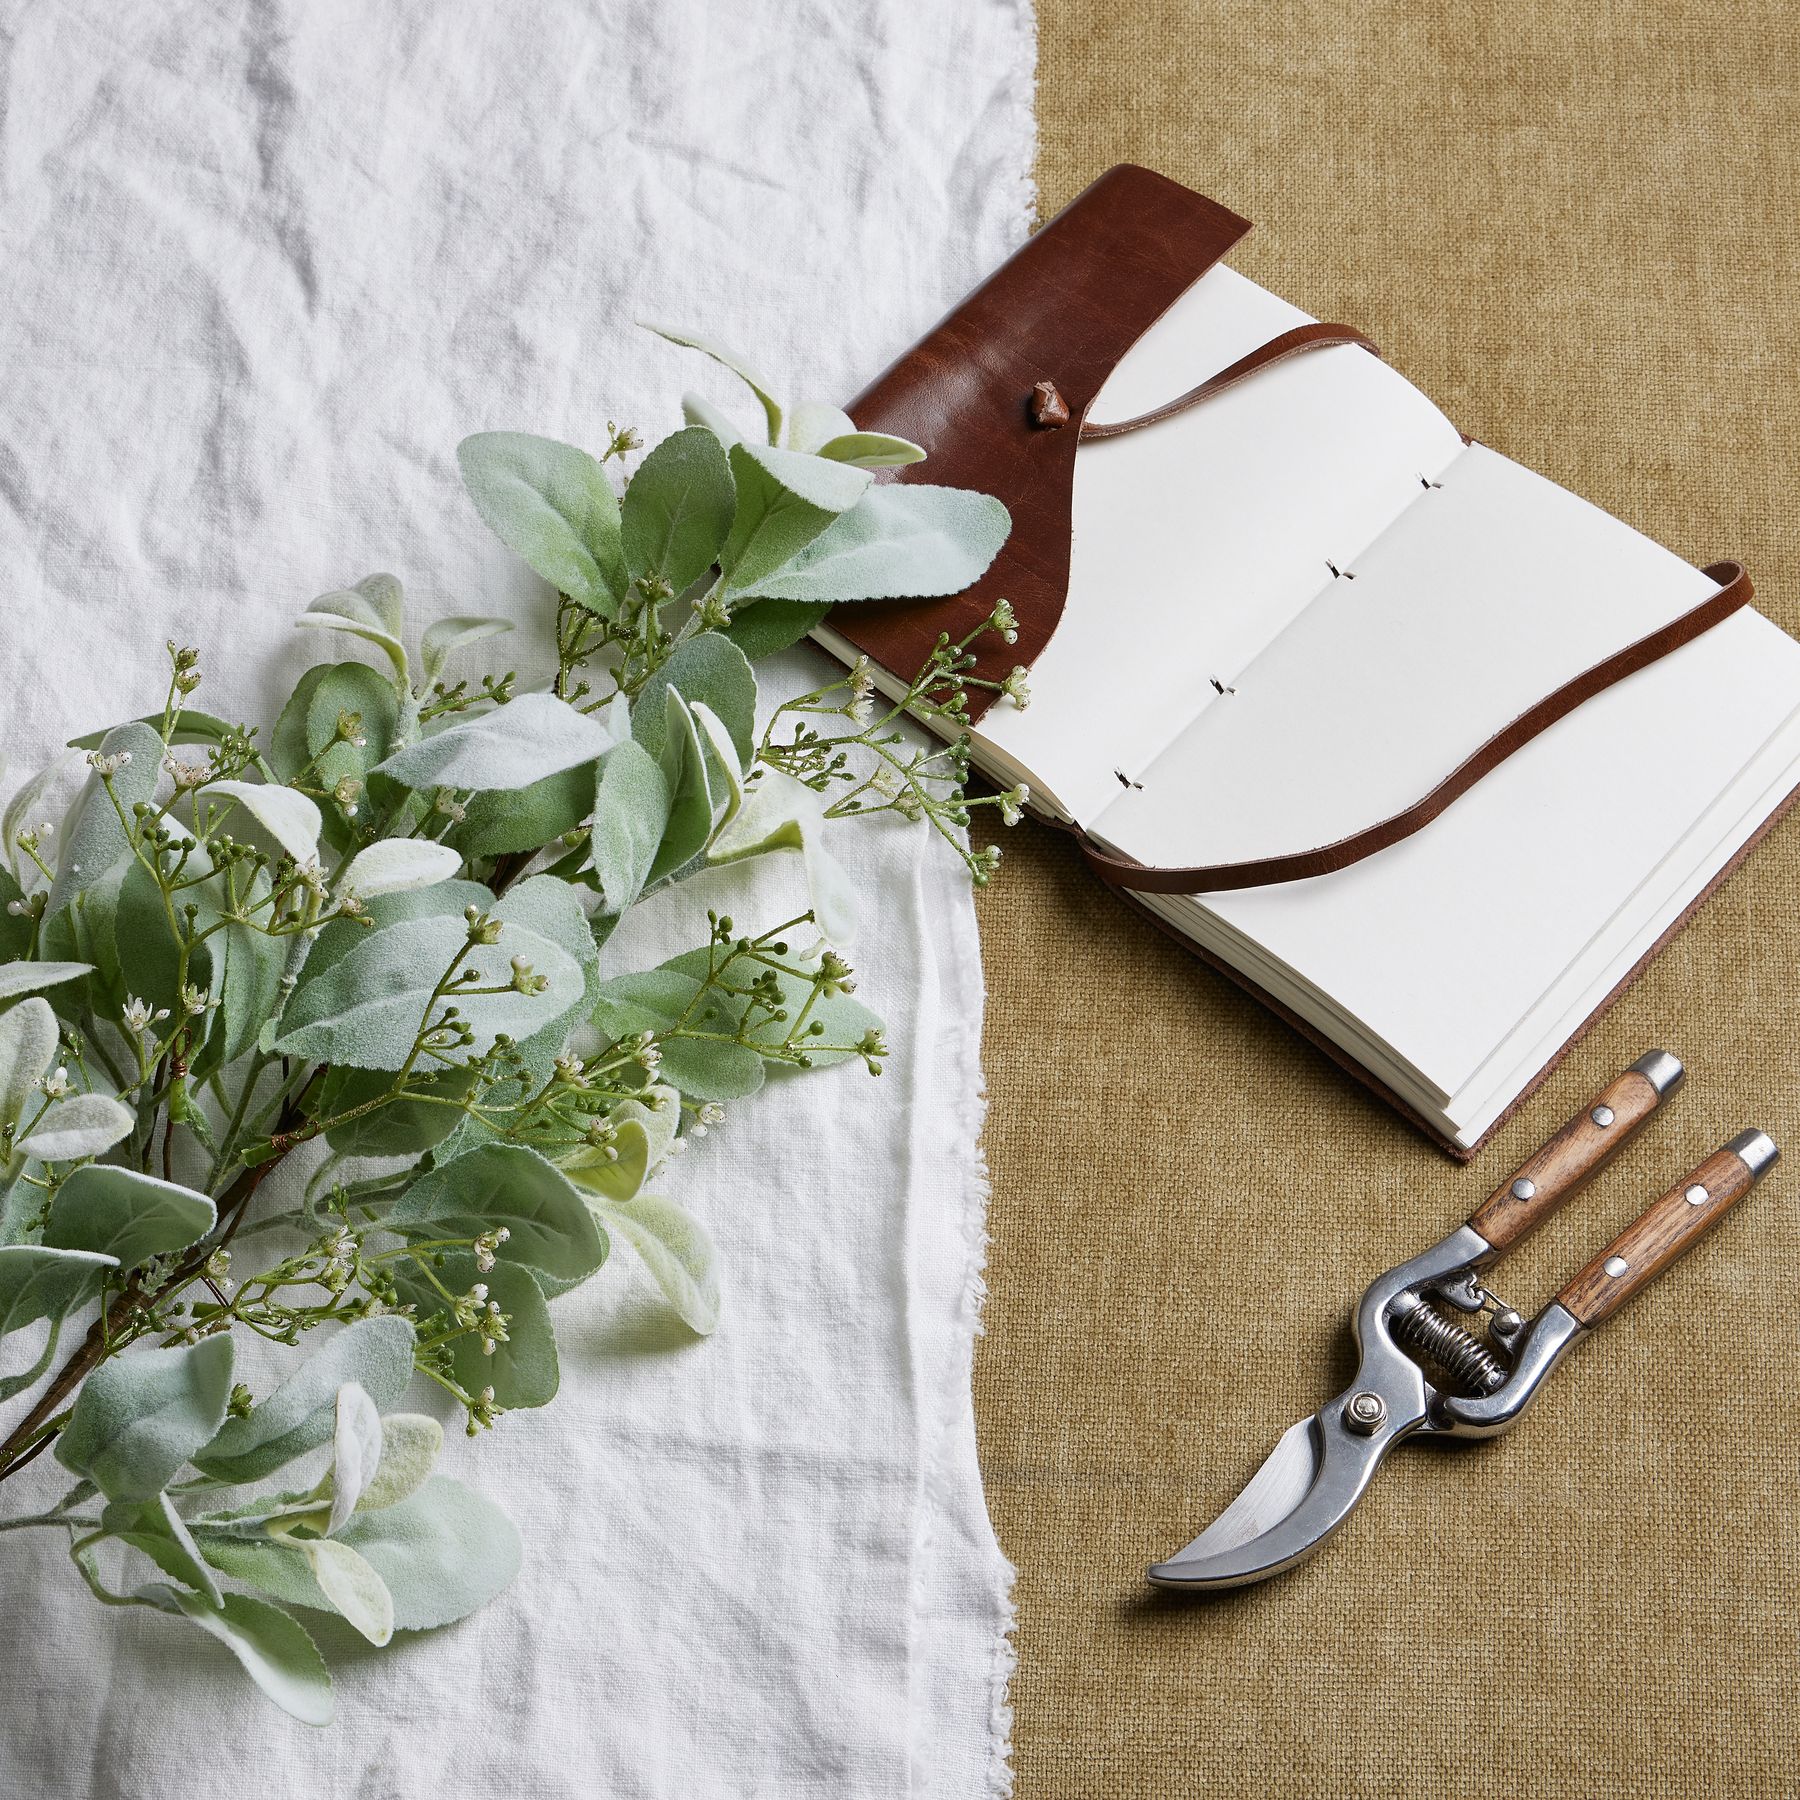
<point x="1421" y="749"/>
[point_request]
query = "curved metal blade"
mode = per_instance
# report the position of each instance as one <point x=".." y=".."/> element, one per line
<point x="1266" y="1499"/>
<point x="1303" y="1492"/>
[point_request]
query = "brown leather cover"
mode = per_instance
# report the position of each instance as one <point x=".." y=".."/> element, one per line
<point x="1063" y="309"/>
<point x="991" y="393"/>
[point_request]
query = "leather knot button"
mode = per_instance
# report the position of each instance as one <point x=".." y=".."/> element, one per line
<point x="1049" y="410"/>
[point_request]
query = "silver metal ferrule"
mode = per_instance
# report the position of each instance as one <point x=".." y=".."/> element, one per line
<point x="1756" y="1149"/>
<point x="1663" y="1071"/>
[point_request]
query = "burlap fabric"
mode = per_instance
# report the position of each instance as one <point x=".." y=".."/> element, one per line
<point x="1578" y="227"/>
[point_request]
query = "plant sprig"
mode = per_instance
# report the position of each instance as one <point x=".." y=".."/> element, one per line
<point x="305" y="1036"/>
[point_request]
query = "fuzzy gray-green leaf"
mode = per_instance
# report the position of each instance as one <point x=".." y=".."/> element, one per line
<point x="728" y="359"/>
<point x="82" y="1125"/>
<point x="139" y="1418"/>
<point x="39" y="1282"/>
<point x="784" y="501"/>
<point x="93" y="837"/>
<point x="120" y="1212"/>
<point x="524" y="1371"/>
<point x="900" y="541"/>
<point x="677" y="508"/>
<point x="368" y="1008"/>
<point x="510" y="747"/>
<point x="667" y="1001"/>
<point x="676" y="1249"/>
<point x="763" y="627"/>
<point x="527" y="818"/>
<point x="273" y="1648"/>
<point x="631" y="814"/>
<point x="692" y="807"/>
<point x="548" y="1224"/>
<point x="27" y="1046"/>
<point x="375" y="1353"/>
<point x="442" y="1553"/>
<point x="707" y="670"/>
<point x="552" y="505"/>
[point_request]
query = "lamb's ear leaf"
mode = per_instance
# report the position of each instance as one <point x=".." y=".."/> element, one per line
<point x="526" y="818"/>
<point x="784" y="501"/>
<point x="307" y="742"/>
<point x="27" y="1044"/>
<point x="678" y="508"/>
<point x="763" y="627"/>
<point x="33" y="977"/>
<point x="125" y="1214"/>
<point x="366" y="1009"/>
<point x="410" y="1445"/>
<point x="443" y="639"/>
<point x="548" y="1226"/>
<point x="301" y="1413"/>
<point x="902" y="540"/>
<point x="286" y="814"/>
<point x="676" y="1249"/>
<point x="552" y="505"/>
<point x="692" y="814"/>
<point x="872" y="450"/>
<point x="82" y="1125"/>
<point x="441" y="1553"/>
<point x="353" y="1587"/>
<point x="642" y="1134"/>
<point x="707" y="670"/>
<point x="696" y="409"/>
<point x="272" y="1645"/>
<point x="728" y="359"/>
<point x="811" y="423"/>
<point x="709" y="1067"/>
<point x="140" y="1417"/>
<point x="830" y="432"/>
<point x="159" y="1531"/>
<point x="356" y="1441"/>
<point x="631" y="814"/>
<point x="374" y="610"/>
<point x="509" y="748"/>
<point x="11" y="1385"/>
<point x="398" y="866"/>
<point x="93" y="839"/>
<point x="28" y="806"/>
<point x="38" y="1282"/>
<point x="524" y="1370"/>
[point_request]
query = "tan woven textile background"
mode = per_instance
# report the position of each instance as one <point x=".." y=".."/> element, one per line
<point x="1578" y="227"/>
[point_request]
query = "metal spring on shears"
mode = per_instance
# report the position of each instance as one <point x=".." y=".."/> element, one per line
<point x="1471" y="1366"/>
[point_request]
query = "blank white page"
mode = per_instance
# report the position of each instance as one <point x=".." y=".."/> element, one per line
<point x="1441" y="945"/>
<point x="1483" y="596"/>
<point x="1196" y="540"/>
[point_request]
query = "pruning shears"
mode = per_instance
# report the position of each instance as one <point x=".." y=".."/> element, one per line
<point x="1441" y="1357"/>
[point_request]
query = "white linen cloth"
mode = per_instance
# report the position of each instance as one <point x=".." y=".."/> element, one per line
<point x="262" y="264"/>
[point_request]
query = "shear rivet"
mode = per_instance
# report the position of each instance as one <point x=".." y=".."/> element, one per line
<point x="1616" y="1266"/>
<point x="1523" y="1188"/>
<point x="1697" y="1195"/>
<point x="1602" y="1116"/>
<point x="1365" y="1413"/>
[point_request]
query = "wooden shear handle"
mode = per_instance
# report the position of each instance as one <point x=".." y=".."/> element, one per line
<point x="1548" y="1177"/>
<point x="1668" y="1229"/>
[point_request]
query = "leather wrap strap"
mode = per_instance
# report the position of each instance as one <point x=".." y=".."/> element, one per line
<point x="1277" y="349"/>
<point x="1733" y="592"/>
